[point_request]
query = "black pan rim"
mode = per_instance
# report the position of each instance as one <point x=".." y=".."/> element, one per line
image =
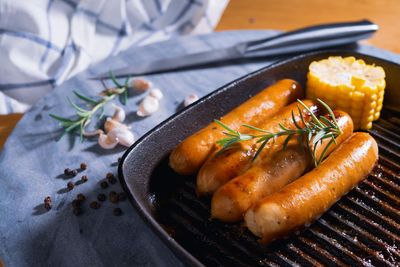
<point x="172" y="244"/>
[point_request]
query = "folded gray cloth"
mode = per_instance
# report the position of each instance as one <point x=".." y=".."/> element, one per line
<point x="32" y="165"/>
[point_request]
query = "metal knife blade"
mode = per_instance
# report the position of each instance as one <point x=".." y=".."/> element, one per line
<point x="305" y="39"/>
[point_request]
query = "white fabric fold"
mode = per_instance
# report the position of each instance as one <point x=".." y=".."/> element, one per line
<point x="45" y="42"/>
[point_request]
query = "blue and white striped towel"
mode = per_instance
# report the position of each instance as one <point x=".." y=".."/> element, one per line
<point x="45" y="42"/>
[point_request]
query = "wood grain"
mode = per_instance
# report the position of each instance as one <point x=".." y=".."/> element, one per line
<point x="7" y="123"/>
<point x="293" y="14"/>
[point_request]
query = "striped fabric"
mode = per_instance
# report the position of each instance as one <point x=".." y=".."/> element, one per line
<point x="45" y="42"/>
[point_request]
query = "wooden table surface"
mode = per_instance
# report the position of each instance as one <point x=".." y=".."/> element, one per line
<point x="289" y="15"/>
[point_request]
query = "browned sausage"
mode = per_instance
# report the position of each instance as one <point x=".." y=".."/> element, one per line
<point x="189" y="155"/>
<point x="232" y="200"/>
<point x="217" y="170"/>
<point x="303" y="201"/>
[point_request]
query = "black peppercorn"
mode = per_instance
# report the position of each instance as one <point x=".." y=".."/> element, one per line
<point x="101" y="197"/>
<point x="95" y="205"/>
<point x="47" y="199"/>
<point x="117" y="212"/>
<point x="70" y="185"/>
<point x="84" y="178"/>
<point x="74" y="172"/>
<point x="80" y="197"/>
<point x="67" y="171"/>
<point x="109" y="175"/>
<point x="113" y="197"/>
<point x="84" y="166"/>
<point x="78" y="211"/>
<point x="104" y="185"/>
<point x="119" y="159"/>
<point x="112" y="180"/>
<point x="122" y="196"/>
<point x="76" y="203"/>
<point x="47" y="205"/>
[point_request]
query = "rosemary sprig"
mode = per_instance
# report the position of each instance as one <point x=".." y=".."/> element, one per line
<point x="313" y="132"/>
<point x="85" y="115"/>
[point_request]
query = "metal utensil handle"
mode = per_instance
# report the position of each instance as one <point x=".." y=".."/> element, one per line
<point x="314" y="37"/>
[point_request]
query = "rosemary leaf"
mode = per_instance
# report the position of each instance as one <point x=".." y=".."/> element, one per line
<point x="259" y="150"/>
<point x="76" y="107"/>
<point x="114" y="80"/>
<point x="85" y="98"/>
<point x="294" y="121"/>
<point x="226" y="127"/>
<point x="327" y="121"/>
<point x="286" y="141"/>
<point x="257" y="129"/>
<point x="60" y="118"/>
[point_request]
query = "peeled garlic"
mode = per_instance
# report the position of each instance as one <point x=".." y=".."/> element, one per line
<point x="156" y="93"/>
<point x="111" y="124"/>
<point x="116" y="131"/>
<point x="148" y="106"/>
<point x="190" y="99"/>
<point x="105" y="142"/>
<point x="119" y="114"/>
<point x="122" y="135"/>
<point x="141" y="84"/>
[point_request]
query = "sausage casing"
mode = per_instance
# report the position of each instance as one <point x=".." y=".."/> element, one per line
<point x="303" y="201"/>
<point x="190" y="154"/>
<point x="219" y="169"/>
<point x="233" y="199"/>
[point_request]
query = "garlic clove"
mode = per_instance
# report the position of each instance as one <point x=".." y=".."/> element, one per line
<point x="84" y="133"/>
<point x="141" y="84"/>
<point x="119" y="114"/>
<point x="148" y="106"/>
<point x="123" y="135"/>
<point x="156" y="93"/>
<point x="111" y="124"/>
<point x="190" y="99"/>
<point x="107" y="143"/>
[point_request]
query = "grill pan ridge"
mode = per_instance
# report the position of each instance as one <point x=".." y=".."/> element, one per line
<point x="361" y="229"/>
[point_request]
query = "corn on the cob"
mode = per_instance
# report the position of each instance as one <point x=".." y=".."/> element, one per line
<point x="349" y="85"/>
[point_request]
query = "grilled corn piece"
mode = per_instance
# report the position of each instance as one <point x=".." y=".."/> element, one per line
<point x="349" y="85"/>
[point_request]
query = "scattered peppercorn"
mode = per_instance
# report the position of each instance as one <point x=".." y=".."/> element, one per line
<point x="47" y="205"/>
<point x="84" y="178"/>
<point x="104" y="185"/>
<point x="80" y="197"/>
<point x="117" y="212"/>
<point x="84" y="166"/>
<point x="95" y="205"/>
<point x="67" y="171"/>
<point x="109" y="175"/>
<point x="122" y="196"/>
<point x="113" y="197"/>
<point x="78" y="211"/>
<point x="76" y="203"/>
<point x="47" y="199"/>
<point x="74" y="172"/>
<point x="119" y="159"/>
<point x="101" y="197"/>
<point x="70" y="185"/>
<point x="112" y="180"/>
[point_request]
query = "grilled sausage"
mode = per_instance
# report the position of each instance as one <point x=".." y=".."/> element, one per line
<point x="217" y="170"/>
<point x="304" y="200"/>
<point x="189" y="155"/>
<point x="232" y="200"/>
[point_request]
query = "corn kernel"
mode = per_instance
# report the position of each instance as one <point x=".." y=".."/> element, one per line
<point x="350" y="85"/>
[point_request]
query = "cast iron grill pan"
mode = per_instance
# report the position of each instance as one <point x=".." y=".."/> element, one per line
<point x="363" y="228"/>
